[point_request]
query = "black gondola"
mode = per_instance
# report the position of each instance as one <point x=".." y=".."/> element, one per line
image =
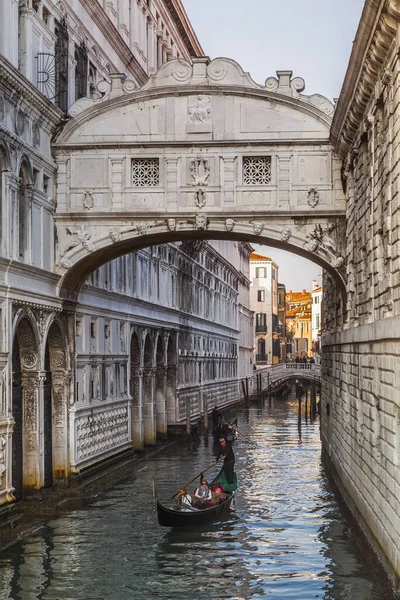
<point x="227" y="431"/>
<point x="175" y="517"/>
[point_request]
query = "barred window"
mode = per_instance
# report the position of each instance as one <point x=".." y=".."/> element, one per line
<point x="145" y="172"/>
<point x="256" y="170"/>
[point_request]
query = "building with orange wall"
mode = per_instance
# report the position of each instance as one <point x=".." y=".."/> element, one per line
<point x="299" y="324"/>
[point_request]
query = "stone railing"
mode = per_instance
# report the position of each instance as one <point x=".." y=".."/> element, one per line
<point x="273" y="374"/>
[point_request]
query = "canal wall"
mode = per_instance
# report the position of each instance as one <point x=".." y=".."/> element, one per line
<point x="360" y="417"/>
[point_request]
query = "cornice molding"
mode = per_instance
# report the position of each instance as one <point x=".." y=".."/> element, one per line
<point x="105" y="25"/>
<point x="186" y="31"/>
<point x="375" y="37"/>
<point x="33" y="101"/>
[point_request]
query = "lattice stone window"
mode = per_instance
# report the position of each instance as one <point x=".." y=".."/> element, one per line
<point x="256" y="170"/>
<point x="145" y="172"/>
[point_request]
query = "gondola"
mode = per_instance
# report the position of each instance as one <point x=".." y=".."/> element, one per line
<point x="194" y="517"/>
<point x="226" y="430"/>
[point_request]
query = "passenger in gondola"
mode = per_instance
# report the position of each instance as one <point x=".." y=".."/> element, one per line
<point x="184" y="500"/>
<point x="203" y="495"/>
<point x="216" y="416"/>
<point x="226" y="452"/>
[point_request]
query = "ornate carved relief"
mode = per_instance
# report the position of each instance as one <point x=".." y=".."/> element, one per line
<point x="312" y="197"/>
<point x="200" y="197"/>
<point x="29" y="359"/>
<point x="99" y="432"/>
<point x="285" y="84"/>
<point x="30" y="385"/>
<point x="199" y="113"/>
<point x="20" y="120"/>
<point x="201" y="222"/>
<point x="200" y="171"/>
<point x="88" y="200"/>
<point x="82" y="237"/>
<point x="35" y="135"/>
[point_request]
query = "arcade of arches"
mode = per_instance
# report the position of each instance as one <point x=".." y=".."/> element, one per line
<point x="155" y="182"/>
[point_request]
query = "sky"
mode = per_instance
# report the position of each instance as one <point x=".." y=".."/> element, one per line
<point x="312" y="38"/>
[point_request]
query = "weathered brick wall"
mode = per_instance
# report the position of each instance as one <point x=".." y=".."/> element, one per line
<point x="360" y="417"/>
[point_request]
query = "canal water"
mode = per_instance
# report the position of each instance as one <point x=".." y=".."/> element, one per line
<point x="286" y="538"/>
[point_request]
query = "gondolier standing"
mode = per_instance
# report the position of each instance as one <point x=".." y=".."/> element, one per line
<point x="229" y="459"/>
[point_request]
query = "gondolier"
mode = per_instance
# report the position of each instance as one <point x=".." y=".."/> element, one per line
<point x="229" y="459"/>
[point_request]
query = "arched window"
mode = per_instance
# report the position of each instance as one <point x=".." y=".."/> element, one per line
<point x="81" y="71"/>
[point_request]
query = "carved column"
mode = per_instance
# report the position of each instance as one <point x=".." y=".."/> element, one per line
<point x="161" y="401"/>
<point x="6" y="487"/>
<point x="31" y="383"/>
<point x="149" y="379"/>
<point x="59" y="392"/>
<point x="9" y="215"/>
<point x="137" y="408"/>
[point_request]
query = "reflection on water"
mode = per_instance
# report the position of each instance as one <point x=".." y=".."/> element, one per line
<point x="285" y="540"/>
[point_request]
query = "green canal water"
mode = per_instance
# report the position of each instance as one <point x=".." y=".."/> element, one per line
<point x="285" y="539"/>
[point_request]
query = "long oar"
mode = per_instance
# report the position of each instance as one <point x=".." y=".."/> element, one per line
<point x="197" y="476"/>
<point x="241" y="434"/>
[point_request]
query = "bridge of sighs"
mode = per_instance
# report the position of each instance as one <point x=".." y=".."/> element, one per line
<point x="201" y="151"/>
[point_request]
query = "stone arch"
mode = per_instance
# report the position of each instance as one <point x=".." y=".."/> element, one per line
<point x="85" y="257"/>
<point x="55" y="405"/>
<point x="25" y="405"/>
<point x="136" y="387"/>
<point x="149" y="420"/>
<point x="171" y="399"/>
<point x="161" y="375"/>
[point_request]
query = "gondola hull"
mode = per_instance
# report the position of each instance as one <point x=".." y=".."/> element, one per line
<point x="169" y="517"/>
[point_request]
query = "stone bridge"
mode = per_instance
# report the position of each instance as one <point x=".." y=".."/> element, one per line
<point x="200" y="151"/>
<point x="278" y="374"/>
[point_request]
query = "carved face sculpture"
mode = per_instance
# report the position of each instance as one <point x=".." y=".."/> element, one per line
<point x="258" y="227"/>
<point x="229" y="224"/>
<point x="115" y="234"/>
<point x="142" y="228"/>
<point x="201" y="222"/>
<point x="311" y="246"/>
<point x="338" y="262"/>
<point x="171" y="224"/>
<point x="286" y="234"/>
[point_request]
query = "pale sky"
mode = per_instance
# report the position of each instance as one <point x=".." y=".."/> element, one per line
<point x="312" y="38"/>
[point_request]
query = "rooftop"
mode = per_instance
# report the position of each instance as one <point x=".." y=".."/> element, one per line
<point x="255" y="256"/>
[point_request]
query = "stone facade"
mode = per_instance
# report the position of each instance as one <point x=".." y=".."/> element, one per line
<point x="81" y="382"/>
<point x="167" y="162"/>
<point x="361" y="351"/>
<point x="264" y="302"/>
